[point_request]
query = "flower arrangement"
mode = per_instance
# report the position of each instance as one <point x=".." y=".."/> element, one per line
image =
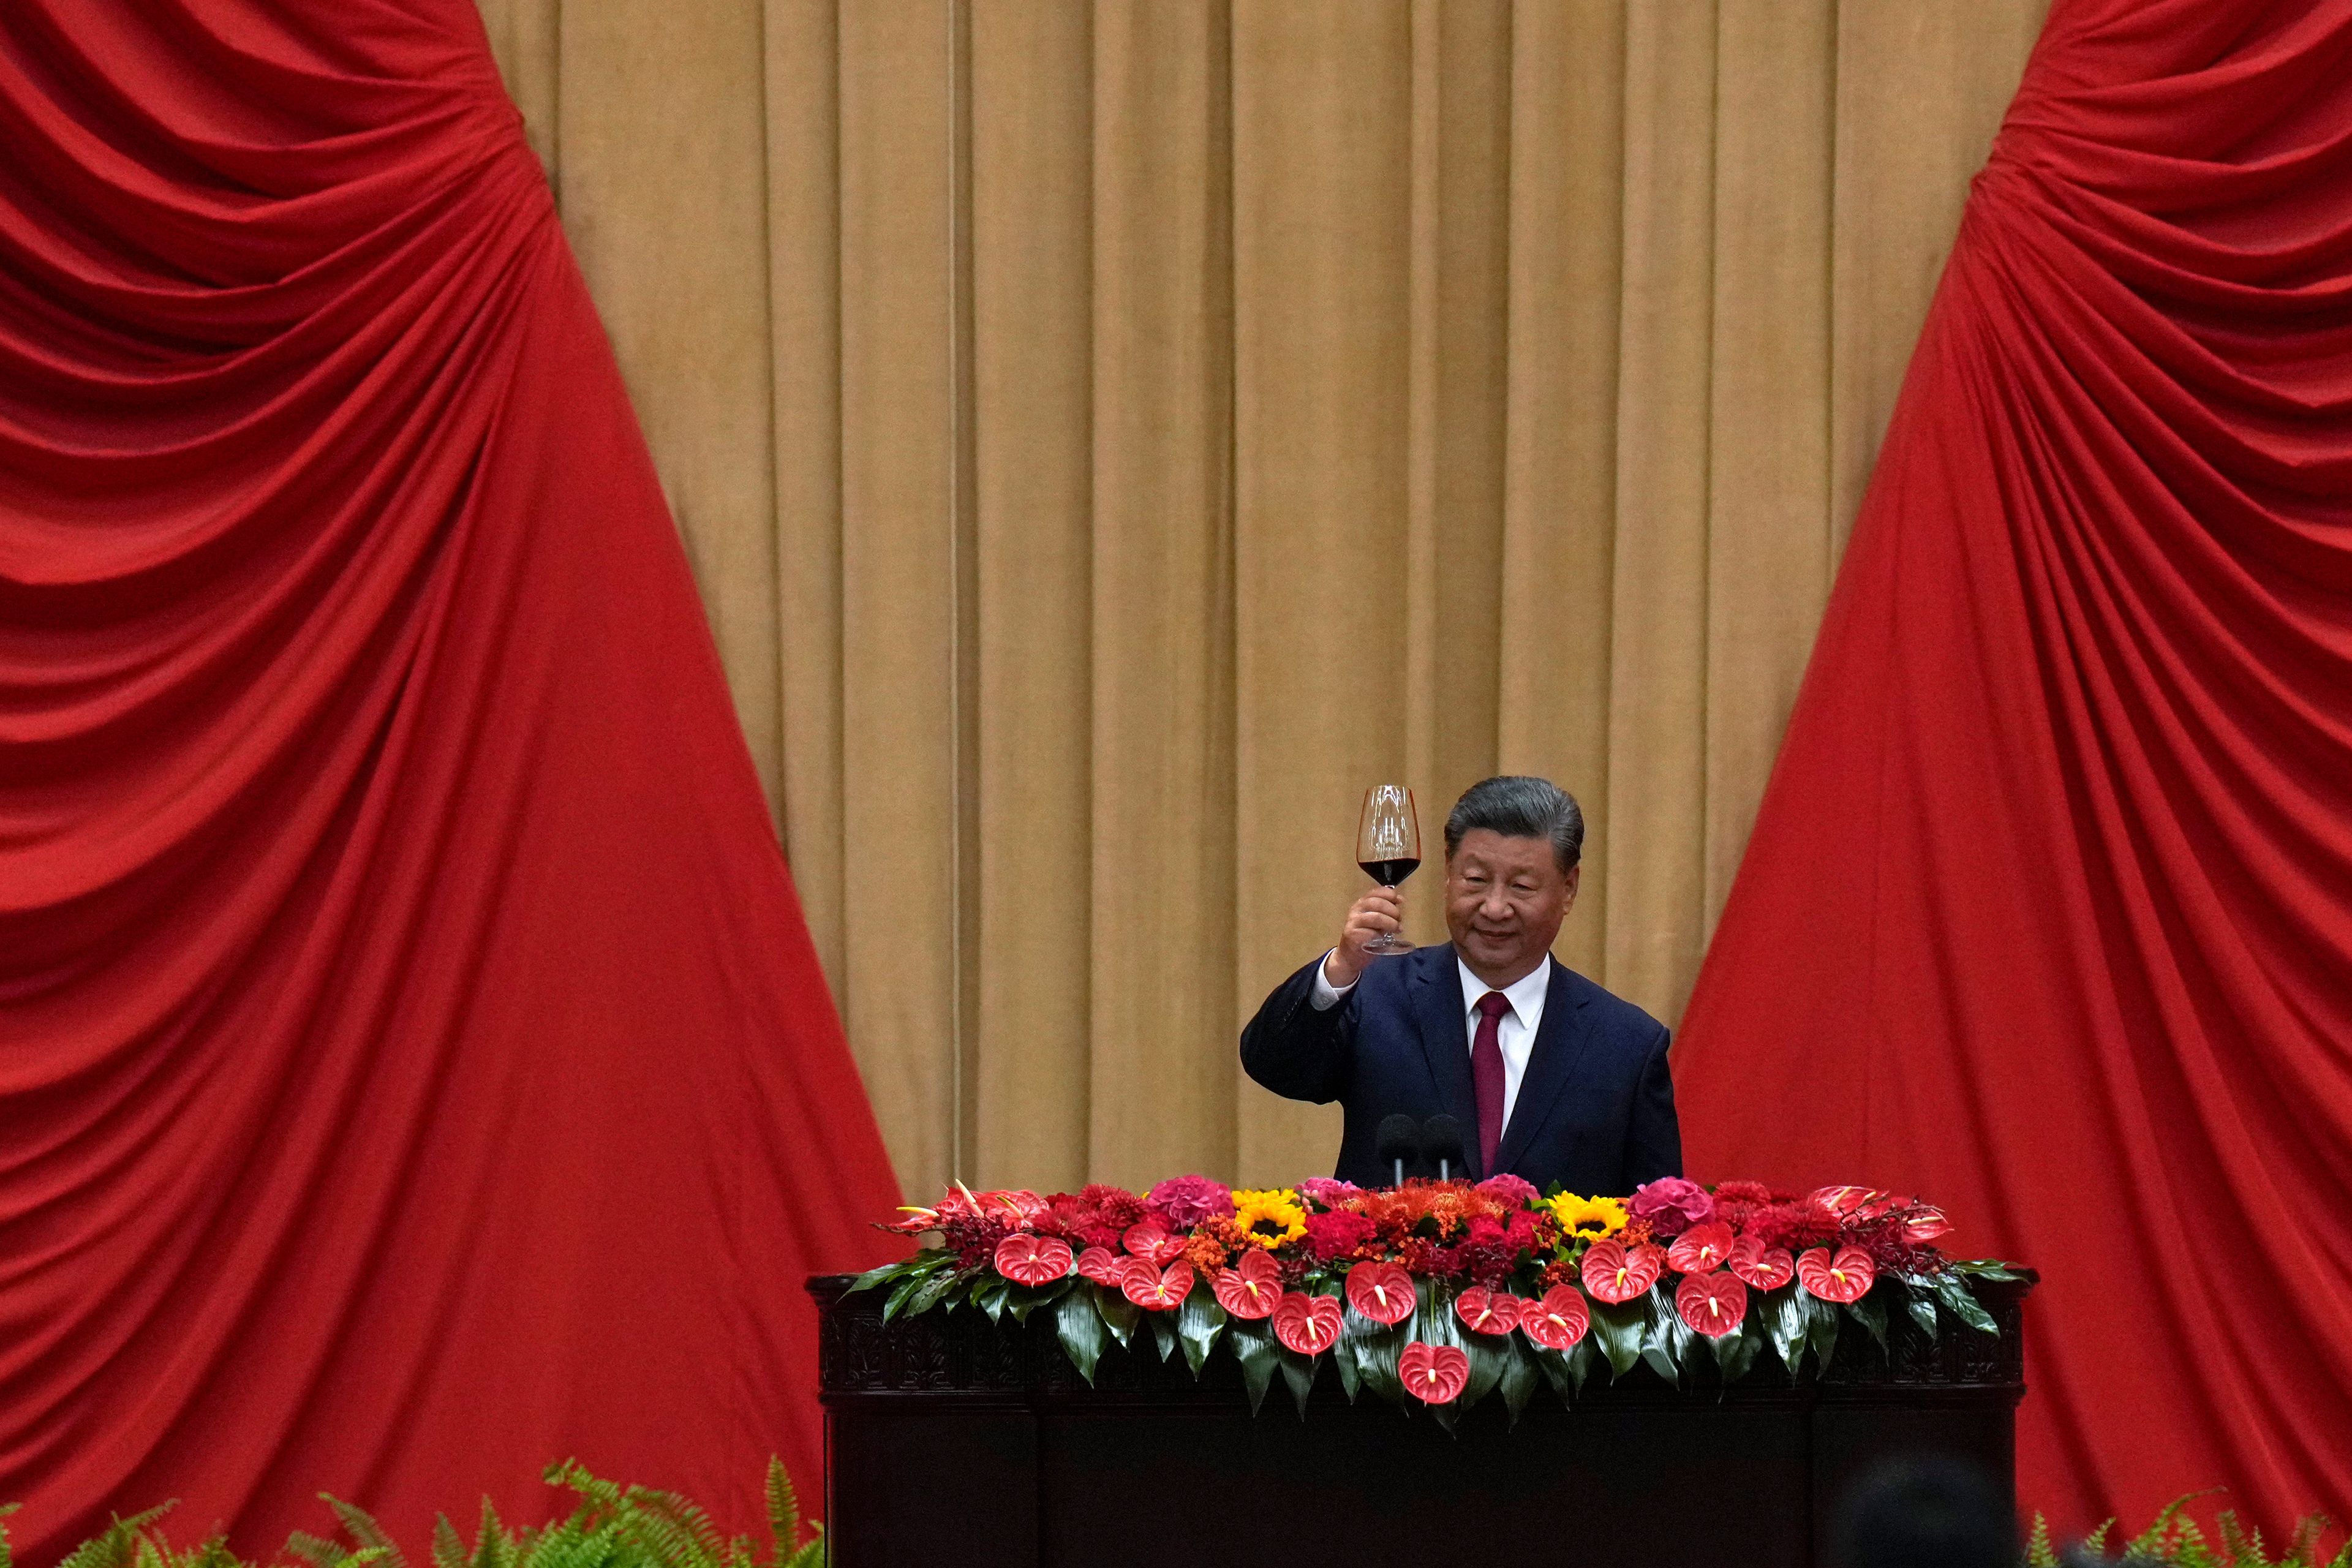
<point x="1442" y="1292"/>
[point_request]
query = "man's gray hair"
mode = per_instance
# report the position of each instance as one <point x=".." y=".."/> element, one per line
<point x="1519" y="807"/>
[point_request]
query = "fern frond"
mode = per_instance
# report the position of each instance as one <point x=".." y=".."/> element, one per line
<point x="448" y="1549"/>
<point x="812" y="1555"/>
<point x="576" y="1477"/>
<point x="213" y="1553"/>
<point x="365" y="1530"/>
<point x="316" y="1550"/>
<point x="678" y="1533"/>
<point x="2039" y="1551"/>
<point x="784" y="1512"/>
<point x="494" y="1546"/>
<point x="2097" y="1540"/>
<point x="570" y="1546"/>
<point x="5" y="1510"/>
<point x="116" y="1545"/>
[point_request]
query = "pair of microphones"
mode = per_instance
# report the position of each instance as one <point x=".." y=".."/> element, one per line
<point x="1402" y="1141"/>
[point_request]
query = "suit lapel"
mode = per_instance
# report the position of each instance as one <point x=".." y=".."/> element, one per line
<point x="1559" y="1041"/>
<point x="1438" y="1013"/>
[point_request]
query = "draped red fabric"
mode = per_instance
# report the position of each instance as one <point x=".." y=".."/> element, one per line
<point x="413" y="1066"/>
<point x="2048" y="913"/>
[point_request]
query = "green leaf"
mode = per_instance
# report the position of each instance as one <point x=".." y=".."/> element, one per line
<point x="1582" y="1357"/>
<point x="1559" y="1368"/>
<point x="933" y="1291"/>
<point x="886" y="1273"/>
<point x="1351" y="1374"/>
<point x="1518" y="1379"/>
<point x="1023" y="1299"/>
<point x="1870" y="1313"/>
<point x="1198" y="1322"/>
<point x="1259" y="1355"/>
<point x="1783" y="1314"/>
<point x="1489" y="1356"/>
<point x="1922" y="1309"/>
<point x="1298" y="1371"/>
<point x="1620" y="1327"/>
<point x="1163" y="1332"/>
<point x="993" y="1299"/>
<point x="901" y="1293"/>
<point x="1444" y="1415"/>
<point x="1667" y="1344"/>
<point x="1080" y="1327"/>
<point x="1961" y="1302"/>
<point x="1820" y="1329"/>
<point x="1736" y="1351"/>
<point x="1376" y="1360"/>
<point x="1120" y="1315"/>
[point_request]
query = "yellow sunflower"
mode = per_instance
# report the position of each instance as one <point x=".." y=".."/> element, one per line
<point x="1592" y="1218"/>
<point x="1269" y="1219"/>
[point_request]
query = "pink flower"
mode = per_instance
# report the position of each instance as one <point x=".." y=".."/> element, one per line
<point x="1510" y="1189"/>
<point x="1672" y="1205"/>
<point x="1186" y="1201"/>
<point x="1328" y="1189"/>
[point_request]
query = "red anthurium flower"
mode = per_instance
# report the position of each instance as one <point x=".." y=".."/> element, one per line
<point x="1712" y="1303"/>
<point x="1557" y="1321"/>
<point x="1252" y="1290"/>
<point x="1158" y="1292"/>
<point x="1102" y="1265"/>
<point x="1307" y="1324"/>
<point x="1484" y="1312"/>
<point x="1858" y="1205"/>
<point x="1845" y="1277"/>
<point x="1017" y="1207"/>
<point x="1151" y="1242"/>
<point x="1613" y="1274"/>
<point x="1028" y="1259"/>
<point x="1701" y="1250"/>
<point x="1923" y="1222"/>
<point x="1765" y="1269"/>
<point x="1381" y="1291"/>
<point x="1434" y="1374"/>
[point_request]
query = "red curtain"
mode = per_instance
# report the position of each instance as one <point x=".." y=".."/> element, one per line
<point x="2048" y="913"/>
<point x="412" y="1064"/>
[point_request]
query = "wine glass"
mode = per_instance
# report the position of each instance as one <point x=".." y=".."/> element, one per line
<point x="1388" y="846"/>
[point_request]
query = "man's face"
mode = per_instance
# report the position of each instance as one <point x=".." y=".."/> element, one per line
<point x="1505" y="897"/>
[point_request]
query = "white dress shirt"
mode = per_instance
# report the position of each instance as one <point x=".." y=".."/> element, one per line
<point x="1516" y="1031"/>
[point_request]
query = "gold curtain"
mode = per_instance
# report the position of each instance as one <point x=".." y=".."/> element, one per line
<point x="1109" y="433"/>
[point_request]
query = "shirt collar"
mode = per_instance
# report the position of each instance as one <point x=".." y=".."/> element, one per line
<point x="1525" y="993"/>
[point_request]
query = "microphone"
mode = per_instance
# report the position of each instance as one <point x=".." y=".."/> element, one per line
<point x="1441" y="1140"/>
<point x="1399" y="1145"/>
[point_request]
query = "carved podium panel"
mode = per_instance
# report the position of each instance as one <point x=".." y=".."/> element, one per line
<point x="952" y="1439"/>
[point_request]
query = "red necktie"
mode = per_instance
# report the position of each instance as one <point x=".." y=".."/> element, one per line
<point x="1486" y="1077"/>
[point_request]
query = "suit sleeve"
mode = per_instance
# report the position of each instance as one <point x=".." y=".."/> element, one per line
<point x="1298" y="1050"/>
<point x="1654" y="1143"/>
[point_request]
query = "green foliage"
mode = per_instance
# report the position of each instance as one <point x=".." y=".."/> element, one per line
<point x="2174" y="1540"/>
<point x="614" y="1527"/>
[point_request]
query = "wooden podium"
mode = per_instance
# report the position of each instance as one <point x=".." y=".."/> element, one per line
<point x="951" y="1439"/>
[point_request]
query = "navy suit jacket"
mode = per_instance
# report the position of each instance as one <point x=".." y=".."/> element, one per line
<point x="1596" y="1106"/>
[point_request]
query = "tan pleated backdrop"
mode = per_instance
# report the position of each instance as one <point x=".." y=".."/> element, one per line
<point x="1109" y="433"/>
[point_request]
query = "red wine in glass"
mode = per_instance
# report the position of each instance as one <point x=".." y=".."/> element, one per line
<point x="1388" y="846"/>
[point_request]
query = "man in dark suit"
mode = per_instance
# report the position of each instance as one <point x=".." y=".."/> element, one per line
<point x="1551" y="1077"/>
